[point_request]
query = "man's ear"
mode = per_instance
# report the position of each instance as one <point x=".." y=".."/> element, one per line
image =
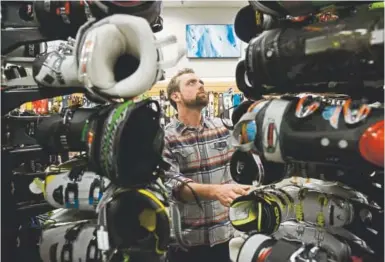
<point x="175" y="97"/>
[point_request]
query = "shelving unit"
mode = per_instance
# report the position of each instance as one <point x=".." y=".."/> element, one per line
<point x="217" y="86"/>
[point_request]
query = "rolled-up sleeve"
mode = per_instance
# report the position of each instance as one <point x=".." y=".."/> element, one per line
<point x="175" y="179"/>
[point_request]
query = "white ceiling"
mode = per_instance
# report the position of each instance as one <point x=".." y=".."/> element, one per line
<point x="199" y="4"/>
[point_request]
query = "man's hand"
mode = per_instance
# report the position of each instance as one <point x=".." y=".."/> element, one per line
<point x="228" y="192"/>
<point x="225" y="193"/>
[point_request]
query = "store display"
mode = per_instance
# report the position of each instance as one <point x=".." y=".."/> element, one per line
<point x="312" y="120"/>
<point x="73" y="123"/>
<point x="52" y="20"/>
<point x="250" y="22"/>
<point x="298" y="8"/>
<point x="332" y="135"/>
<point x="288" y="59"/>
<point x="120" y="139"/>
<point x="312" y="235"/>
<point x="227" y="104"/>
<point x="79" y="69"/>
<point x="276" y="204"/>
<point x="60" y="18"/>
<point x="216" y="104"/>
<point x="74" y="241"/>
<point x="258" y="247"/>
<point x="76" y="188"/>
<point x="304" y="200"/>
<point x="149" y="10"/>
<point x="211" y="105"/>
<point x="145" y="228"/>
<point x="324" y="135"/>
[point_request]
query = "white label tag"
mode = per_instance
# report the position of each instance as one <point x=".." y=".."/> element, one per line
<point x="103" y="242"/>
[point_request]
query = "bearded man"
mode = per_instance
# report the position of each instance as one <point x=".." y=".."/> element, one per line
<point x="199" y="151"/>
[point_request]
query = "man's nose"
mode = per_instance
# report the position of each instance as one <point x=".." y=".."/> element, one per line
<point x="201" y="86"/>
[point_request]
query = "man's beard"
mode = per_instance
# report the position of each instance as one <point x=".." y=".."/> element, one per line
<point x="198" y="102"/>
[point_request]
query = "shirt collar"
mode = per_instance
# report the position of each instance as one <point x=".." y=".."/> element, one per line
<point x="181" y="127"/>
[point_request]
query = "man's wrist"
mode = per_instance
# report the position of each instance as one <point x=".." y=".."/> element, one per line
<point x="204" y="191"/>
<point x="178" y="189"/>
<point x="212" y="190"/>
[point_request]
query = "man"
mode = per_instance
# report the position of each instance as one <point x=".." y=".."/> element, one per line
<point x="199" y="151"/>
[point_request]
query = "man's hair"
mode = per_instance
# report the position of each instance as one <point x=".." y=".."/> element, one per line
<point x="173" y="85"/>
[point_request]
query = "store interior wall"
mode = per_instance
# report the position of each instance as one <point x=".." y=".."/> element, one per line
<point x="175" y="21"/>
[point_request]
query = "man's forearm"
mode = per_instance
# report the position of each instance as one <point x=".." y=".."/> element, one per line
<point x="203" y="191"/>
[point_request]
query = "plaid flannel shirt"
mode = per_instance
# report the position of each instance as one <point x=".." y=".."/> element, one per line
<point x="200" y="155"/>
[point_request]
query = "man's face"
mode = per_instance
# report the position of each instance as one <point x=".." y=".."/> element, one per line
<point x="192" y="93"/>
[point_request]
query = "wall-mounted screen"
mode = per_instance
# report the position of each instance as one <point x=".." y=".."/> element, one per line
<point x="212" y="41"/>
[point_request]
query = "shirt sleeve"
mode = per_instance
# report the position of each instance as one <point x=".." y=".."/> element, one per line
<point x="175" y="183"/>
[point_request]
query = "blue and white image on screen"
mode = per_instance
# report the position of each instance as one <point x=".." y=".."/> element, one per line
<point x="212" y="41"/>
